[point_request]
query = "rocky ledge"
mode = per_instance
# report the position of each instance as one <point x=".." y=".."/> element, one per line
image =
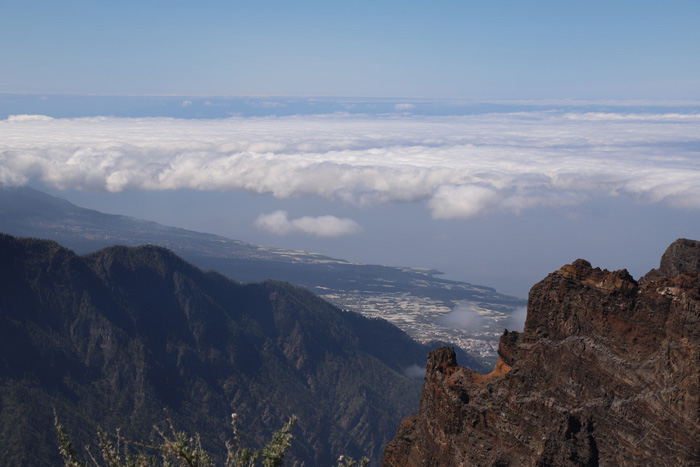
<point x="605" y="373"/>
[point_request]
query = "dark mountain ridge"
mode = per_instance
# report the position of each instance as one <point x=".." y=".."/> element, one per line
<point x="113" y="337"/>
<point x="606" y="372"/>
<point x="411" y="298"/>
<point x="27" y="212"/>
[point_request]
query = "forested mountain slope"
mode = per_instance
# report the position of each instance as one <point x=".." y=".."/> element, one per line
<point x="113" y="337"/>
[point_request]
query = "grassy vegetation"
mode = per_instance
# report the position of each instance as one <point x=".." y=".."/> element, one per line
<point x="179" y="449"/>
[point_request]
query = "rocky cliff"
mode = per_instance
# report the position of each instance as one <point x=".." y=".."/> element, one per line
<point x="605" y="373"/>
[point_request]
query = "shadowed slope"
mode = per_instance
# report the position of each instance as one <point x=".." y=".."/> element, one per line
<point x="113" y="337"/>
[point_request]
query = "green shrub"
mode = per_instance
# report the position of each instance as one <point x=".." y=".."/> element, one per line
<point x="178" y="449"/>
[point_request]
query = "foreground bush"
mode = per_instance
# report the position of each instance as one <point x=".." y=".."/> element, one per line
<point x="178" y="449"/>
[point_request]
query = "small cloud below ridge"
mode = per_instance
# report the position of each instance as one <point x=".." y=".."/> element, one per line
<point x="279" y="223"/>
<point x="462" y="316"/>
<point x="516" y="320"/>
<point x="465" y="317"/>
<point x="414" y="371"/>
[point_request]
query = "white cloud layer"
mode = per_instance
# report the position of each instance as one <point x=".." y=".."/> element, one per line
<point x="460" y="166"/>
<point x="279" y="223"/>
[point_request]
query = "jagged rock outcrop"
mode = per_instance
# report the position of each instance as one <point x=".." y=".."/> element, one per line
<point x="680" y="257"/>
<point x="605" y="373"/>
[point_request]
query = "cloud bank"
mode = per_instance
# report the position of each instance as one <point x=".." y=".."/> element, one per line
<point x="323" y="226"/>
<point x="461" y="167"/>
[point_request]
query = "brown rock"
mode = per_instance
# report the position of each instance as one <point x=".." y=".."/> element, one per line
<point x="605" y="373"/>
<point x="680" y="257"/>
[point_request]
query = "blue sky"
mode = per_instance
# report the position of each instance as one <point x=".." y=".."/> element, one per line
<point x="467" y="49"/>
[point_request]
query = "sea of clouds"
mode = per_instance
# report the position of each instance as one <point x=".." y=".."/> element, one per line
<point x="461" y="167"/>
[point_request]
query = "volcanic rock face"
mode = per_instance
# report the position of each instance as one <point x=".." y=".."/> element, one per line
<point x="605" y="373"/>
<point x="682" y="256"/>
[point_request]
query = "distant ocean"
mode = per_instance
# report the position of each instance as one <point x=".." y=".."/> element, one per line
<point x="59" y="106"/>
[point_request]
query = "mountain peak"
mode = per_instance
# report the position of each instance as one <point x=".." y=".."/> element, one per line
<point x="153" y="257"/>
<point x="110" y="338"/>
<point x="681" y="257"/>
<point x="604" y="373"/>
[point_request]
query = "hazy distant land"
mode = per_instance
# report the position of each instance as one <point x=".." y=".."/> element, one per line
<point x="416" y="300"/>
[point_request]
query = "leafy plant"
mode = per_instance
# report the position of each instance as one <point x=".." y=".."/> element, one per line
<point x="177" y="449"/>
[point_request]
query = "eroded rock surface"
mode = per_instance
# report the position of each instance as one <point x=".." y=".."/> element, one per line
<point x="605" y="373"/>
